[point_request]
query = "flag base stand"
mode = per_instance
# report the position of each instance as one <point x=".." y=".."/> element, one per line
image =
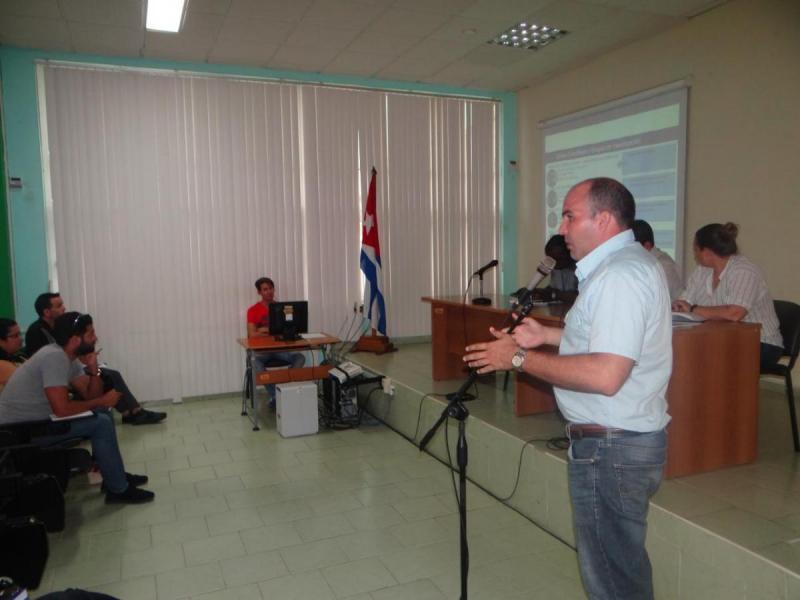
<point x="377" y="344"/>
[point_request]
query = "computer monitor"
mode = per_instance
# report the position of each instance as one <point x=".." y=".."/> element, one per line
<point x="288" y="319"/>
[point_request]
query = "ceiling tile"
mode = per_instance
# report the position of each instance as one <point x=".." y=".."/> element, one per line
<point x="511" y="11"/>
<point x="300" y="58"/>
<point x="382" y="43"/>
<point x="215" y="7"/>
<point x="343" y="14"/>
<point x="279" y="10"/>
<point x="673" y="8"/>
<point x="462" y="28"/>
<point x="255" y="29"/>
<point x="626" y="28"/>
<point x="318" y="36"/>
<point x="105" y="39"/>
<point x="445" y="7"/>
<point x="459" y="73"/>
<point x="441" y="49"/>
<point x="408" y="22"/>
<point x="27" y="32"/>
<point x="491" y="55"/>
<point x="242" y="52"/>
<point x="31" y="8"/>
<point x="122" y="13"/>
<point x="412" y="69"/>
<point x="364" y="64"/>
<point x="573" y="16"/>
<point x="194" y="42"/>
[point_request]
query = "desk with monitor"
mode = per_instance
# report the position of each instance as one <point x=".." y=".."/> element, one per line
<point x="712" y="394"/>
<point x="268" y="343"/>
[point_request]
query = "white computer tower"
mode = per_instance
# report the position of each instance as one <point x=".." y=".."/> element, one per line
<point x="296" y="409"/>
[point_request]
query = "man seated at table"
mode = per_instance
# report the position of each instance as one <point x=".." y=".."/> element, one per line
<point x="644" y="235"/>
<point x="49" y="306"/>
<point x="563" y="284"/>
<point x="40" y="387"/>
<point x="258" y="324"/>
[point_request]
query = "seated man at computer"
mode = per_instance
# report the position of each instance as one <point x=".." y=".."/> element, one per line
<point x="258" y="324"/>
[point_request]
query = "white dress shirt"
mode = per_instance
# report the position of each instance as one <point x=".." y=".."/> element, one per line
<point x="741" y="283"/>
<point x="623" y="308"/>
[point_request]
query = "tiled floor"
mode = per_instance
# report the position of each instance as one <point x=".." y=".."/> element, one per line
<point x="240" y="514"/>
<point x="756" y="506"/>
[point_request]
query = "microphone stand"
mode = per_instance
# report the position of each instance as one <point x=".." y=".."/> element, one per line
<point x="455" y="408"/>
<point x="481" y="300"/>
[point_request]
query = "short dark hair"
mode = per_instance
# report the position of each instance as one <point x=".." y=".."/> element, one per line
<point x="643" y="232"/>
<point x="606" y="194"/>
<point x="43" y="302"/>
<point x="69" y="324"/>
<point x="719" y="238"/>
<point x="5" y="327"/>
<point x="262" y="280"/>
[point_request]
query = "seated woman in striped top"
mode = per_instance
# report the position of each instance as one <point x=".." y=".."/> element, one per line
<point x="726" y="286"/>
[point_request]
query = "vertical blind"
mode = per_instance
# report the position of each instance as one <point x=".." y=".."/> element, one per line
<point x="170" y="193"/>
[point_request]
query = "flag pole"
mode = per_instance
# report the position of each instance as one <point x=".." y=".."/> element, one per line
<point x="371" y="266"/>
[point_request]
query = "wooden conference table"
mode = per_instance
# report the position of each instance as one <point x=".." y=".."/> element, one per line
<point x="712" y="394"/>
<point x="267" y="343"/>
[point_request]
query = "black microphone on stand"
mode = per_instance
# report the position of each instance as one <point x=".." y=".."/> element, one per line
<point x="481" y="299"/>
<point x="486" y="267"/>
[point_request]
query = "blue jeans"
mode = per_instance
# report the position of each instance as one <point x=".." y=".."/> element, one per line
<point x="610" y="482"/>
<point x="262" y="360"/>
<point x="99" y="429"/>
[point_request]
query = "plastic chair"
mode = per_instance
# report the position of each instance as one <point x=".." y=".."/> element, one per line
<point x="789" y="319"/>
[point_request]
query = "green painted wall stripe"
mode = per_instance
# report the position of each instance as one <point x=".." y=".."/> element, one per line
<point x="6" y="271"/>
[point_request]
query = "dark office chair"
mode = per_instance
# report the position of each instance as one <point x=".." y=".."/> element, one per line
<point x="789" y="319"/>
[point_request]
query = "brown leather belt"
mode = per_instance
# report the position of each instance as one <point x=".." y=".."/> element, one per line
<point x="577" y="431"/>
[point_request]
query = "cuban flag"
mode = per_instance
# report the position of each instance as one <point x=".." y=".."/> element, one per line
<point x="371" y="260"/>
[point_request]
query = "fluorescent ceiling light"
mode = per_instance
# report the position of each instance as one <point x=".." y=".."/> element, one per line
<point x="165" y="15"/>
<point x="528" y="36"/>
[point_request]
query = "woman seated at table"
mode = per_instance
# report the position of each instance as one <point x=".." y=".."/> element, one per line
<point x="726" y="286"/>
<point x="10" y="345"/>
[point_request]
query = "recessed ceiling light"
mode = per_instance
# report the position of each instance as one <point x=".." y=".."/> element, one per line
<point x="532" y="36"/>
<point x="165" y="15"/>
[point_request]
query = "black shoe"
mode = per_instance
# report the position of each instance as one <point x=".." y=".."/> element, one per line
<point x="144" y="417"/>
<point x="132" y="495"/>
<point x="134" y="480"/>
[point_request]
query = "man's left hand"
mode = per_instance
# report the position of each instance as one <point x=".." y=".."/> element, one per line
<point x="492" y="356"/>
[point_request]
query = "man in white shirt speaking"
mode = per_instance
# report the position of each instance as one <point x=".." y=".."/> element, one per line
<point x="610" y="379"/>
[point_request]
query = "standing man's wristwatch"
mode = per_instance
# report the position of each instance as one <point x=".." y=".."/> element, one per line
<point x="518" y="359"/>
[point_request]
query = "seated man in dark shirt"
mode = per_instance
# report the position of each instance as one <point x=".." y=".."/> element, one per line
<point x="49" y="306"/>
<point x="40" y="387"/>
<point x="563" y="284"/>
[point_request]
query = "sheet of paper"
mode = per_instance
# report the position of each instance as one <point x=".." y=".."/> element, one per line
<point x="312" y="336"/>
<point x="86" y="413"/>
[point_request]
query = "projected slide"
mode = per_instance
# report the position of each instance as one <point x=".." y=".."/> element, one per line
<point x="640" y="145"/>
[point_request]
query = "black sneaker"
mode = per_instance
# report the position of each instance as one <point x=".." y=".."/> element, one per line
<point x="132" y="495"/>
<point x="134" y="480"/>
<point x="144" y="417"/>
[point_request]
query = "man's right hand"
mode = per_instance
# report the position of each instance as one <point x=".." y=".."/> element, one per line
<point x="530" y="334"/>
<point x="110" y="398"/>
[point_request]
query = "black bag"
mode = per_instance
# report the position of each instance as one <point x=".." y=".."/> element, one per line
<point x="39" y="496"/>
<point x="23" y="550"/>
